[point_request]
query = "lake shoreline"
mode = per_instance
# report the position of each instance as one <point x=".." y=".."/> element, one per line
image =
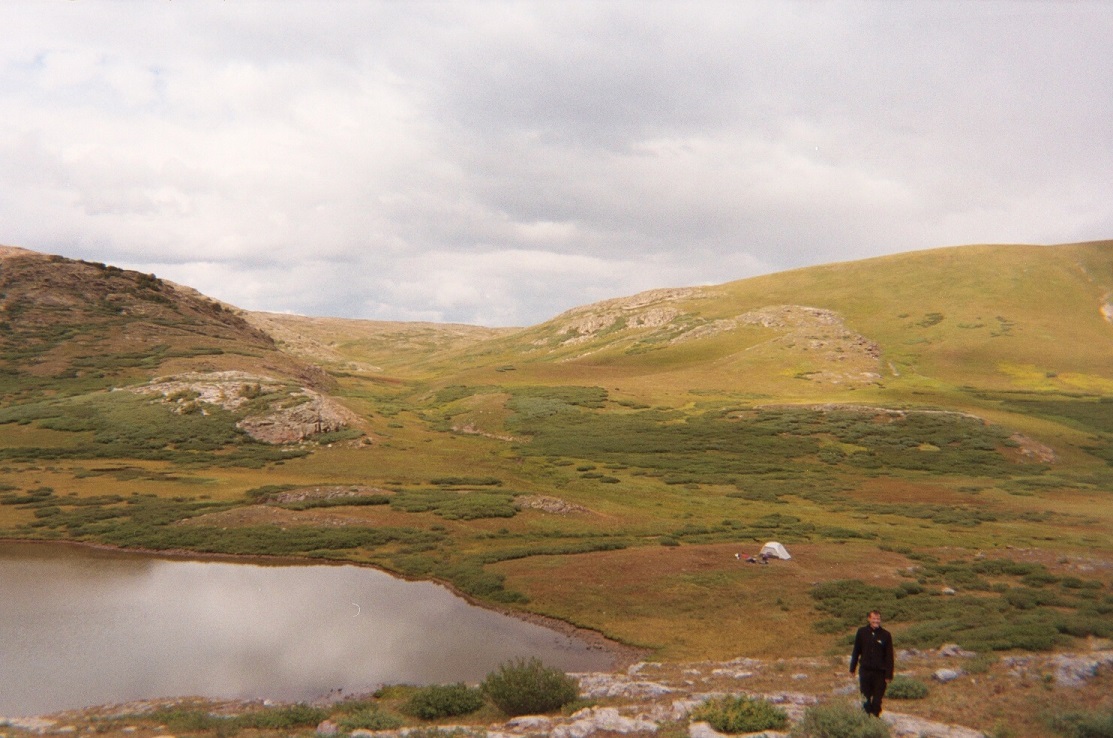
<point x="622" y="655"/>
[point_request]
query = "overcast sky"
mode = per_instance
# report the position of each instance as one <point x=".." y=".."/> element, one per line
<point x="498" y="163"/>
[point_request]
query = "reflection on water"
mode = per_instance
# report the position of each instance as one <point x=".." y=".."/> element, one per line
<point x="81" y="627"/>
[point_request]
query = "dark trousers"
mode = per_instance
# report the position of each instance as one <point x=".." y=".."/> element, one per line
<point x="872" y="684"/>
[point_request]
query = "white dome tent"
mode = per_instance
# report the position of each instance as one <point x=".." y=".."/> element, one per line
<point x="774" y="550"/>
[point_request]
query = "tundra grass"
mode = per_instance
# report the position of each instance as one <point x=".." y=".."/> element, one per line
<point x="674" y="458"/>
<point x="657" y="488"/>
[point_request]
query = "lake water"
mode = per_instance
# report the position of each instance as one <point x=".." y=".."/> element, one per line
<point x="81" y="627"/>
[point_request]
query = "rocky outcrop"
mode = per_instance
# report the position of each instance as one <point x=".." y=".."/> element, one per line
<point x="548" y="504"/>
<point x="286" y="414"/>
<point x="312" y="414"/>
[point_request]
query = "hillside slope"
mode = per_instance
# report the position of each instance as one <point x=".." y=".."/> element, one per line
<point x="63" y="319"/>
<point x="984" y="316"/>
<point x="930" y="433"/>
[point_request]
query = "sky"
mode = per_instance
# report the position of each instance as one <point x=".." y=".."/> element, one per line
<point x="497" y="163"/>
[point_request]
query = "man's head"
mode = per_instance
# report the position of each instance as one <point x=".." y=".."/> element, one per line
<point x="875" y="619"/>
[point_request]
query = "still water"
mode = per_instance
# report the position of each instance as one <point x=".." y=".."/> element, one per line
<point x="82" y="627"/>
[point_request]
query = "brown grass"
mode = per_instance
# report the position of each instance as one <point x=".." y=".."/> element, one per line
<point x="690" y="602"/>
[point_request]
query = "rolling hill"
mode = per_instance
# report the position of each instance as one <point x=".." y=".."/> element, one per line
<point x="930" y="422"/>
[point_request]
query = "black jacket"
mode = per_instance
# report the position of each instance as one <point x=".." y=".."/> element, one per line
<point x="874" y="650"/>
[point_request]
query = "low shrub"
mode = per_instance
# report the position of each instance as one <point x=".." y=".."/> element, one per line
<point x="526" y="687"/>
<point x="740" y="715"/>
<point x="369" y="718"/>
<point x="906" y="688"/>
<point x="839" y="720"/>
<point x="278" y="718"/>
<point x="282" y="718"/>
<point x="1083" y="724"/>
<point x="443" y="700"/>
<point x="190" y="721"/>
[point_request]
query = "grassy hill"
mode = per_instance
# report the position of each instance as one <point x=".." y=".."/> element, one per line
<point x="908" y="426"/>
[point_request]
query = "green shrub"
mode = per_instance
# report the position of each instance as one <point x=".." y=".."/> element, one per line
<point x="443" y="700"/>
<point x="188" y="721"/>
<point x="1083" y="724"/>
<point x="369" y="718"/>
<point x="282" y="718"/>
<point x="839" y="720"/>
<point x="527" y="687"/>
<point x="906" y="688"/>
<point x="740" y="715"/>
<point x="454" y="505"/>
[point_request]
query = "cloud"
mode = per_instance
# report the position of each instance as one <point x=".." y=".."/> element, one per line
<point x="499" y="162"/>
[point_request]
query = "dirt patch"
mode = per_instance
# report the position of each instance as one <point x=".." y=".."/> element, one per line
<point x="1031" y="450"/>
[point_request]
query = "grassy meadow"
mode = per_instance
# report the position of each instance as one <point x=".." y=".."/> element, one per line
<point x="933" y="435"/>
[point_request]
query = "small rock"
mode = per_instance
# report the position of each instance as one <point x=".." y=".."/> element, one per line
<point x="947" y="675"/>
<point x="530" y="723"/>
<point x="592" y="720"/>
<point x="682" y="708"/>
<point x="1073" y="671"/>
<point x="595" y="686"/>
<point x="917" y="727"/>
<point x="733" y="673"/>
<point x="327" y="727"/>
<point x="791" y="698"/>
<point x="703" y="730"/>
<point x="953" y="649"/>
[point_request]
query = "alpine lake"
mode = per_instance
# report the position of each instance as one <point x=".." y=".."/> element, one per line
<point x="82" y="626"/>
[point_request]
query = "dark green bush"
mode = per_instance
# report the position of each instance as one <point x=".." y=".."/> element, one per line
<point x="527" y="687"/>
<point x="839" y="720"/>
<point x="369" y="718"/>
<point x="1083" y="724"/>
<point x="456" y="505"/>
<point x="740" y="715"/>
<point x="282" y="718"/>
<point x="443" y="700"/>
<point x="470" y="577"/>
<point x="906" y="688"/>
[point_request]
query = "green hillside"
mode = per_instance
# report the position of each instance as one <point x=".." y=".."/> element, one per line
<point x="908" y="426"/>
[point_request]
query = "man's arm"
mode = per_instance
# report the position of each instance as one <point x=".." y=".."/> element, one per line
<point x="857" y="652"/>
<point x="890" y="660"/>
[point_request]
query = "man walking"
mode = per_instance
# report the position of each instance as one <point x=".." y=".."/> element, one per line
<point x="873" y="652"/>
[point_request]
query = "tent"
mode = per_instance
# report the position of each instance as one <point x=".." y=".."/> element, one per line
<point x="774" y="550"/>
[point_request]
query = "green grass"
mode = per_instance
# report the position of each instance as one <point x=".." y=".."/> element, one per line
<point x="1022" y="608"/>
<point x="679" y="448"/>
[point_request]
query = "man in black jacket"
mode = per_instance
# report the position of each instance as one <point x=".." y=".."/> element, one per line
<point x="873" y="652"/>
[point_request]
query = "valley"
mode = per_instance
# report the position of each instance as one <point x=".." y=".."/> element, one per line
<point x="927" y="433"/>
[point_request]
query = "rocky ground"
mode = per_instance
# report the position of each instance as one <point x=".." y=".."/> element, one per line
<point x="652" y="699"/>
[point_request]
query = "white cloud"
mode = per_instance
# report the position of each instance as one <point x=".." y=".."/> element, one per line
<point x="501" y="162"/>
